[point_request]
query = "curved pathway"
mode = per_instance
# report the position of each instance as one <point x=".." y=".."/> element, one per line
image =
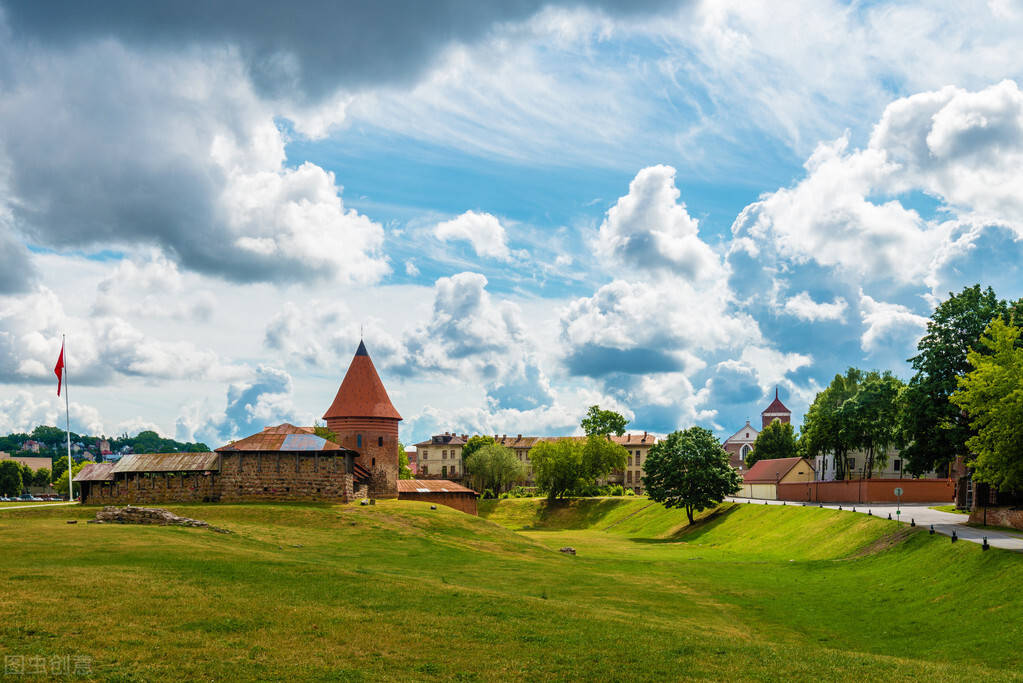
<point x="944" y="522"/>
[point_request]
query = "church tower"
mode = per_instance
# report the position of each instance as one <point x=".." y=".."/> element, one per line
<point x="365" y="421"/>
<point x="776" y="411"/>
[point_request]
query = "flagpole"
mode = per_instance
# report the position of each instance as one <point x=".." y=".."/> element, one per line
<point x="67" y="423"/>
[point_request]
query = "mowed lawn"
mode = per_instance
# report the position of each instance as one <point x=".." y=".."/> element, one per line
<point x="399" y="591"/>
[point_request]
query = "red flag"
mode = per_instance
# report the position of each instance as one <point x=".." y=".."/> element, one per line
<point x="59" y="369"/>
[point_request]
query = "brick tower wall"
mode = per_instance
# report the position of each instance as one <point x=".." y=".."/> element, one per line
<point x="378" y="450"/>
<point x="768" y="418"/>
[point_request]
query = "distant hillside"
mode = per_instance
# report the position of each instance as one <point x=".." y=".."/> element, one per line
<point x="51" y="442"/>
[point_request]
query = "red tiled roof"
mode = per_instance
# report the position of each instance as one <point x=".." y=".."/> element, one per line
<point x="361" y="394"/>
<point x="776" y="405"/>
<point x="431" y="486"/>
<point x="283" y="437"/>
<point x="769" y="471"/>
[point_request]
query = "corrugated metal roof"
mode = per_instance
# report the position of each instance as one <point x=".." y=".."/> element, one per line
<point x="431" y="486"/>
<point x="168" y="462"/>
<point x="283" y="437"/>
<point x="96" y="471"/>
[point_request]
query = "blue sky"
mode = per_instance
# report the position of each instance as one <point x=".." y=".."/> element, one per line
<point x="669" y="209"/>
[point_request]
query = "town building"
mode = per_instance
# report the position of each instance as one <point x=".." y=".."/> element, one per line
<point x="440" y="456"/>
<point x="34" y="464"/>
<point x="440" y="492"/>
<point x="761" y="480"/>
<point x="775" y="411"/>
<point x="741" y="444"/>
<point x="893" y="467"/>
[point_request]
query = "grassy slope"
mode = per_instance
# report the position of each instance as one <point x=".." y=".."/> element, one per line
<point x="399" y="591"/>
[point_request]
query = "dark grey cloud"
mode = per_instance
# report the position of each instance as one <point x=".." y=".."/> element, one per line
<point x="313" y="47"/>
<point x="592" y="360"/>
<point x="17" y="272"/>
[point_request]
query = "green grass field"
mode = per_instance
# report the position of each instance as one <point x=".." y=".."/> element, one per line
<point x="950" y="508"/>
<point x="397" y="591"/>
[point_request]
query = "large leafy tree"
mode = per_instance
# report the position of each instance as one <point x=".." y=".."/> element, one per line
<point x="603" y="422"/>
<point x="991" y="394"/>
<point x="474" y="444"/>
<point x="934" y="430"/>
<point x="61" y="483"/>
<point x="824" y="432"/>
<point x="494" y="467"/>
<point x="689" y="469"/>
<point x="404" y="469"/>
<point x="776" y="440"/>
<point x="557" y="466"/>
<point x="10" y="478"/>
<point x="870" y="417"/>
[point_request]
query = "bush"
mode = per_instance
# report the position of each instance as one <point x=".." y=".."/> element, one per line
<point x="488" y="494"/>
<point x="629" y="492"/>
<point x="615" y="490"/>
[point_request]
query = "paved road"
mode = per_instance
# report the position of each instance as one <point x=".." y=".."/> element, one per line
<point x="37" y="505"/>
<point x="944" y="522"/>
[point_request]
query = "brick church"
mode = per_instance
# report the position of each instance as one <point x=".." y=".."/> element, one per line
<point x="280" y="463"/>
<point x="740" y="444"/>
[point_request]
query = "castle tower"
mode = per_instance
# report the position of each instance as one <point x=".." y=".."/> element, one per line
<point x="365" y="421"/>
<point x="776" y="411"/>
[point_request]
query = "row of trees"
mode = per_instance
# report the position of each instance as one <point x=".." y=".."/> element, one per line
<point x="964" y="400"/>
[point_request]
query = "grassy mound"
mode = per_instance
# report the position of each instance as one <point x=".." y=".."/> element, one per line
<point x="399" y="591"/>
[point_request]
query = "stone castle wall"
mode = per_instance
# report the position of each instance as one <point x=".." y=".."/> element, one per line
<point x="243" y="477"/>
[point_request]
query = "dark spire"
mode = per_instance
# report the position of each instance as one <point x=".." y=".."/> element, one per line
<point x="361" y="351"/>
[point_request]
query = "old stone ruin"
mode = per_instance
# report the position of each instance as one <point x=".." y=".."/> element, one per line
<point x="130" y="514"/>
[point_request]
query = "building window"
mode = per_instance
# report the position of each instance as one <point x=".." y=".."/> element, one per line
<point x="896" y="465"/>
<point x="374" y="462"/>
<point x="628" y="476"/>
<point x="358" y="441"/>
<point x="380" y="441"/>
<point x="637" y="458"/>
<point x="443" y="455"/>
<point x="630" y="461"/>
<point x="851" y="463"/>
<point x="444" y="471"/>
<point x="426" y="470"/>
<point x="425" y="454"/>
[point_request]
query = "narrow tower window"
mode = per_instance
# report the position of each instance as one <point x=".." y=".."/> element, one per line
<point x="380" y="441"/>
<point x="358" y="441"/>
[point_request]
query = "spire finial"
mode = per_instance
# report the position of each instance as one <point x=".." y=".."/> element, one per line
<point x="775" y="392"/>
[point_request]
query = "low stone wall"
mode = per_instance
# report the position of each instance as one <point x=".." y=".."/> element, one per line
<point x="283" y="477"/>
<point x="158" y="488"/>
<point x="464" y="502"/>
<point x="273" y="477"/>
<point x="1011" y="517"/>
<point x="869" y="491"/>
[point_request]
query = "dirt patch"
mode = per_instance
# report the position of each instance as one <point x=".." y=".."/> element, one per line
<point x="882" y="544"/>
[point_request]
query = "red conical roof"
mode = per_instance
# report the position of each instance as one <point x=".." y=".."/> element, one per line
<point x="776" y="405"/>
<point x="362" y="394"/>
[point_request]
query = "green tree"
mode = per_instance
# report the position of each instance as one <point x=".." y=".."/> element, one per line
<point x="51" y="435"/>
<point x="404" y="470"/>
<point x="10" y="478"/>
<point x="474" y="444"/>
<point x="992" y="396"/>
<point x="871" y="417"/>
<point x="777" y="440"/>
<point x="603" y="422"/>
<point x="689" y="469"/>
<point x="557" y="466"/>
<point x="601" y="457"/>
<point x="934" y="430"/>
<point x="494" y="467"/>
<point x="322" y="431"/>
<point x="824" y="431"/>
<point x="57" y="468"/>
<point x="60" y="485"/>
<point x="41" y="477"/>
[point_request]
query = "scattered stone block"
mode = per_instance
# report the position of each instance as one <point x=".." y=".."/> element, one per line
<point x="131" y="514"/>
<point x="568" y="550"/>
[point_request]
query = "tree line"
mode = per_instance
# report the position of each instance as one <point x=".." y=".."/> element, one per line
<point x="965" y="399"/>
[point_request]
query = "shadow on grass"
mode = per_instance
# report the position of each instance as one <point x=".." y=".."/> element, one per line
<point x="698" y="528"/>
<point x="568" y="514"/>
